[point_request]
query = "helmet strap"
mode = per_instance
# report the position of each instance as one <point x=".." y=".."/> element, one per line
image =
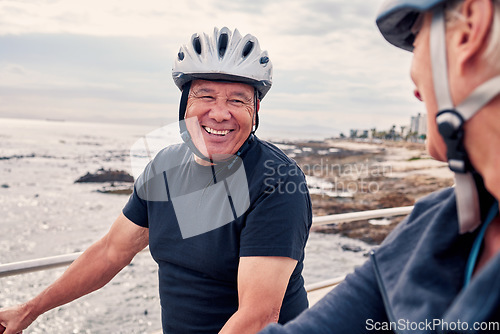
<point x="451" y="120"/>
<point x="186" y="137"/>
<point x="183" y="104"/>
<point x="255" y="112"/>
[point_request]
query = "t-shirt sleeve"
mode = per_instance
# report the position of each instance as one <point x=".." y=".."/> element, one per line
<point x="149" y="186"/>
<point x="136" y="209"/>
<point x="278" y="222"/>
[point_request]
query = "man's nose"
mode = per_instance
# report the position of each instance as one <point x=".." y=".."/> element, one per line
<point x="219" y="111"/>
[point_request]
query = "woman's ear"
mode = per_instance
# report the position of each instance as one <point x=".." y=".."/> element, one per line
<point x="472" y="31"/>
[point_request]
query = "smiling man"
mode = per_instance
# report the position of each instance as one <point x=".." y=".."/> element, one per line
<point x="226" y="215"/>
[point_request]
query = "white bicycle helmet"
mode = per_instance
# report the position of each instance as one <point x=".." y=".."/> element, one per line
<point x="224" y="56"/>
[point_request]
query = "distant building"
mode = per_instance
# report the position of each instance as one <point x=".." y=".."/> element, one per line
<point x="418" y="124"/>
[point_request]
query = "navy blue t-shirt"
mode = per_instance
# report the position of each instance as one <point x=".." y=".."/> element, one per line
<point x="202" y="219"/>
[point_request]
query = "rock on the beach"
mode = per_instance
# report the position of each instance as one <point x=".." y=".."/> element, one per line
<point x="103" y="175"/>
<point x="117" y="189"/>
<point x="351" y="248"/>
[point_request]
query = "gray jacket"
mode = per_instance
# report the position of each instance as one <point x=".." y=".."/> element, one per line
<point x="413" y="283"/>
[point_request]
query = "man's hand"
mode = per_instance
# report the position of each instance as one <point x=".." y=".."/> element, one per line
<point x="15" y="319"/>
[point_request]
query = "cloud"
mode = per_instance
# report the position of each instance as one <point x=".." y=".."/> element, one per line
<point x="100" y="58"/>
<point x="257" y="7"/>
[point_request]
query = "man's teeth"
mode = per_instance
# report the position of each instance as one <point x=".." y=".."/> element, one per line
<point x="216" y="132"/>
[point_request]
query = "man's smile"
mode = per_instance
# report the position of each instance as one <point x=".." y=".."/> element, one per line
<point x="216" y="132"/>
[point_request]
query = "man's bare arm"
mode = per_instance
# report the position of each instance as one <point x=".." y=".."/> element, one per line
<point x="262" y="283"/>
<point x="91" y="271"/>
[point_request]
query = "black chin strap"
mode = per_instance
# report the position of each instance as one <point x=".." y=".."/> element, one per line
<point x="186" y="137"/>
<point x="256" y="114"/>
<point x="182" y="107"/>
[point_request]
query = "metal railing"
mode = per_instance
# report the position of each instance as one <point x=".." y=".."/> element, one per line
<point x="30" y="266"/>
<point x="324" y="284"/>
<point x="17" y="268"/>
<point x="361" y="215"/>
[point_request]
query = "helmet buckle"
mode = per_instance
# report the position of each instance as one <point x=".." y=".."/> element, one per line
<point x="450" y="126"/>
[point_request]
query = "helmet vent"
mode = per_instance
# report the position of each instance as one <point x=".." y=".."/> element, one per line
<point x="224" y="55"/>
<point x="223" y="39"/>
<point x="197" y="45"/>
<point x="247" y="49"/>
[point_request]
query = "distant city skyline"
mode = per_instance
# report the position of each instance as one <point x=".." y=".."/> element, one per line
<point x="415" y="128"/>
<point x="111" y="61"/>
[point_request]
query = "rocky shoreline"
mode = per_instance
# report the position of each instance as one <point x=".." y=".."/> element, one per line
<point x="374" y="175"/>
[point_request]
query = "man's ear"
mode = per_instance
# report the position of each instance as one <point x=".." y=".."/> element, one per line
<point x="257" y="106"/>
<point x="473" y="30"/>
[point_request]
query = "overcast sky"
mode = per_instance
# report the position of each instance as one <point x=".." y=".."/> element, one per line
<point x="110" y="60"/>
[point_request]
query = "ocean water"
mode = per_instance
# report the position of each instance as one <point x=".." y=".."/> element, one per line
<point x="44" y="213"/>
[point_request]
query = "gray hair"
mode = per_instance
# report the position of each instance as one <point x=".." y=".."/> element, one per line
<point x="492" y="53"/>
